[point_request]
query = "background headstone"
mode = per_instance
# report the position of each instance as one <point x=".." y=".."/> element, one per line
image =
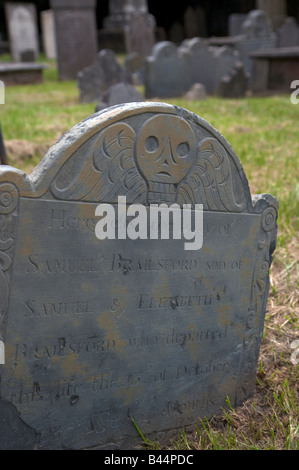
<point x="104" y="72"/>
<point x="288" y="33"/>
<point x="132" y="19"/>
<point x="201" y="62"/>
<point x="165" y="72"/>
<point x="119" y="94"/>
<point x="235" y="21"/>
<point x="235" y="83"/>
<point x="48" y="34"/>
<point x="256" y="34"/>
<point x="76" y="37"/>
<point x="140" y="34"/>
<point x="99" y="333"/>
<point x="23" y="34"/>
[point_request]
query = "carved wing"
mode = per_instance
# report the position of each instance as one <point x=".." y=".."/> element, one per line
<point x="211" y="181"/>
<point x="107" y="172"/>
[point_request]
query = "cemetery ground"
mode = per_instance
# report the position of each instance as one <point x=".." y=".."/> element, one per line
<point x="263" y="131"/>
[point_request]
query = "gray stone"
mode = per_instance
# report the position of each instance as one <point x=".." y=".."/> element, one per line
<point x="235" y="83"/>
<point x="104" y="72"/>
<point x="21" y="73"/>
<point x="201" y="62"/>
<point x="48" y="34"/>
<point x="119" y="94"/>
<point x="207" y="65"/>
<point x="22" y="28"/>
<point x="135" y="66"/>
<point x="140" y="34"/>
<point x="235" y="22"/>
<point x="288" y="33"/>
<point x="196" y="93"/>
<point x="138" y="25"/>
<point x="76" y="37"/>
<point x="165" y="72"/>
<point x="256" y="34"/>
<point x="101" y="334"/>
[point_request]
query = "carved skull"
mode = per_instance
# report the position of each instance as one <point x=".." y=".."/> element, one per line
<point x="165" y="152"/>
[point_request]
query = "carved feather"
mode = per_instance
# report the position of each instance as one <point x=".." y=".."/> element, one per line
<point x="211" y="181"/>
<point x="108" y="172"/>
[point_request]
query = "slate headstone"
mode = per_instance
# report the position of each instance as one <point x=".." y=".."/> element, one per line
<point x="140" y="33"/>
<point x="201" y="62"/>
<point x="235" y="83"/>
<point x="119" y="94"/>
<point x="76" y="36"/>
<point x="104" y="72"/>
<point x="165" y="71"/>
<point x="256" y="34"/>
<point x="103" y="334"/>
<point x="235" y="21"/>
<point x="288" y="33"/>
<point x="22" y="29"/>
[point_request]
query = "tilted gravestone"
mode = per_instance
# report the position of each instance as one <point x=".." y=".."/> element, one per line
<point x="101" y="334"/>
<point x="23" y="33"/>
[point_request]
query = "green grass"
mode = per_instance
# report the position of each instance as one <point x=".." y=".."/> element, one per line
<point x="264" y="134"/>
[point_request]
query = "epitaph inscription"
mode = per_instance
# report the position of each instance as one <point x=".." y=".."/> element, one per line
<point x="98" y="333"/>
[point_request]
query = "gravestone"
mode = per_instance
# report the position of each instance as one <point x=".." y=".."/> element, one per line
<point x="235" y="83"/>
<point x="48" y="34"/>
<point x="22" y="29"/>
<point x="119" y="94"/>
<point x="288" y="33"/>
<point x="131" y="17"/>
<point x="235" y="21"/>
<point x="201" y="62"/>
<point x="207" y="65"/>
<point x="140" y="33"/>
<point x="104" y="72"/>
<point x="166" y="71"/>
<point x="76" y="37"/>
<point x="256" y="34"/>
<point x="100" y="333"/>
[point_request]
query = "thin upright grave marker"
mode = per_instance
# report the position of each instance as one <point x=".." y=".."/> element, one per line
<point x="99" y="333"/>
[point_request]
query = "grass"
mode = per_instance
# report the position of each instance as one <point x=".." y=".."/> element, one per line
<point x="264" y="134"/>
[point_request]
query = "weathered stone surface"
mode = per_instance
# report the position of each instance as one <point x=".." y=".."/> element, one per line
<point x="76" y="37"/>
<point x="98" y="333"/>
<point x="23" y="34"/>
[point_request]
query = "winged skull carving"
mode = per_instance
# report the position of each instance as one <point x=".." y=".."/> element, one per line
<point x="161" y="163"/>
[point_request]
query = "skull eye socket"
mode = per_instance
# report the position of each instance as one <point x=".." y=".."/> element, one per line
<point x="183" y="149"/>
<point x="151" y="144"/>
